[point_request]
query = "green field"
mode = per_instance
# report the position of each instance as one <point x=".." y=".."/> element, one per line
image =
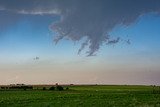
<point x="83" y="96"/>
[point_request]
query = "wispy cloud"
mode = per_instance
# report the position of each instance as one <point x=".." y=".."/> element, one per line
<point x="38" y="12"/>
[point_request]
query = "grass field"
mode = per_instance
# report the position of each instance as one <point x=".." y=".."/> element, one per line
<point x="83" y="96"/>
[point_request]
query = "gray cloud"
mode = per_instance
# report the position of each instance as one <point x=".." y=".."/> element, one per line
<point x="91" y="19"/>
<point x="94" y="19"/>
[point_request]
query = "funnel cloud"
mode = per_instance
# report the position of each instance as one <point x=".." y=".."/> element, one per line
<point x="90" y="19"/>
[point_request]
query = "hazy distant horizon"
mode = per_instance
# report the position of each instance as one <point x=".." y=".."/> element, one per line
<point x="120" y="78"/>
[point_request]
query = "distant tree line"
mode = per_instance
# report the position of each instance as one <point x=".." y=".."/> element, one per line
<point x="27" y="87"/>
<point x="17" y="87"/>
<point x="58" y="88"/>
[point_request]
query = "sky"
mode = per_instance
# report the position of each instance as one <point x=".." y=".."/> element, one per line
<point x="80" y="42"/>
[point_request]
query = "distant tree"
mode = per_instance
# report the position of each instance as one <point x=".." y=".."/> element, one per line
<point x="67" y="88"/>
<point x="59" y="88"/>
<point x="25" y="88"/>
<point x="52" y="88"/>
<point x="44" y="88"/>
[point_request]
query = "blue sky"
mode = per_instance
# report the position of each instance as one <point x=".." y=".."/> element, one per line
<point x="30" y="35"/>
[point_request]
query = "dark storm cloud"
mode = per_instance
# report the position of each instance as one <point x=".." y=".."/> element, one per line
<point x="91" y="19"/>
